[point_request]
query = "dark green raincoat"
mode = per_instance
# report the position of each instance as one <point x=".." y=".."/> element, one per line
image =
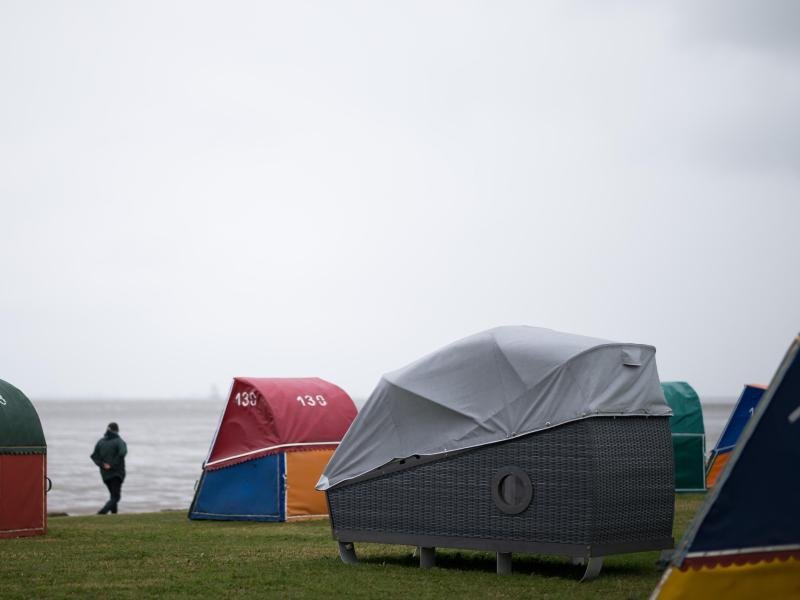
<point x="110" y="449"/>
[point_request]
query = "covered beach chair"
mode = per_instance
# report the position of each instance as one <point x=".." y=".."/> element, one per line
<point x="273" y="440"/>
<point x="517" y="439"/>
<point x="688" y="436"/>
<point x="23" y="466"/>
<point x="733" y="429"/>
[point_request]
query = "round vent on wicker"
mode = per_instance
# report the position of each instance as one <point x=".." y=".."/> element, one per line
<point x="512" y="490"/>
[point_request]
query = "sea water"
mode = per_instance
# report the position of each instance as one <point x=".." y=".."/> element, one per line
<point x="168" y="440"/>
<point x="167" y="443"/>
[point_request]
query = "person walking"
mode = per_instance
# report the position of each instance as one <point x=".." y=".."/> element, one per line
<point x="109" y="454"/>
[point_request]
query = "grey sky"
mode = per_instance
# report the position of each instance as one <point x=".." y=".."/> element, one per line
<point x="192" y="191"/>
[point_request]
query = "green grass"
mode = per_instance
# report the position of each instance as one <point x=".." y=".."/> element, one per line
<point x="166" y="555"/>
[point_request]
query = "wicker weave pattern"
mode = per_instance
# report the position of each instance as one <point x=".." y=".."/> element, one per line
<point x="634" y="489"/>
<point x="598" y="480"/>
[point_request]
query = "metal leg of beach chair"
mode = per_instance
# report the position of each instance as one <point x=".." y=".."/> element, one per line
<point x="427" y="557"/>
<point x="504" y="563"/>
<point x="347" y="552"/>
<point x="593" y="566"/>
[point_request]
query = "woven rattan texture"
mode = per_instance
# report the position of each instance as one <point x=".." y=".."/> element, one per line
<point x="598" y="480"/>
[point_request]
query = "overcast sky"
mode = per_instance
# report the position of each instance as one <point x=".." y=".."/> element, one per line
<point x="191" y="191"/>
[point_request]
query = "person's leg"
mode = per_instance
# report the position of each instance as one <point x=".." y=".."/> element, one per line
<point x="116" y="493"/>
<point x="110" y="504"/>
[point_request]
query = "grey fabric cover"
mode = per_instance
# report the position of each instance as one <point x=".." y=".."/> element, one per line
<point x="492" y="386"/>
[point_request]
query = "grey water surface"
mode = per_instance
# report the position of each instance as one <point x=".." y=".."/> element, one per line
<point x="167" y="443"/>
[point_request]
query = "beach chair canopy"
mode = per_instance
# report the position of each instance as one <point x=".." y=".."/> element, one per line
<point x="493" y="386"/>
<point x="20" y="428"/>
<point x="269" y="415"/>
<point x="744" y="542"/>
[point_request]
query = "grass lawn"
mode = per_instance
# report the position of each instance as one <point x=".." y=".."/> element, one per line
<point x="166" y="555"/>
